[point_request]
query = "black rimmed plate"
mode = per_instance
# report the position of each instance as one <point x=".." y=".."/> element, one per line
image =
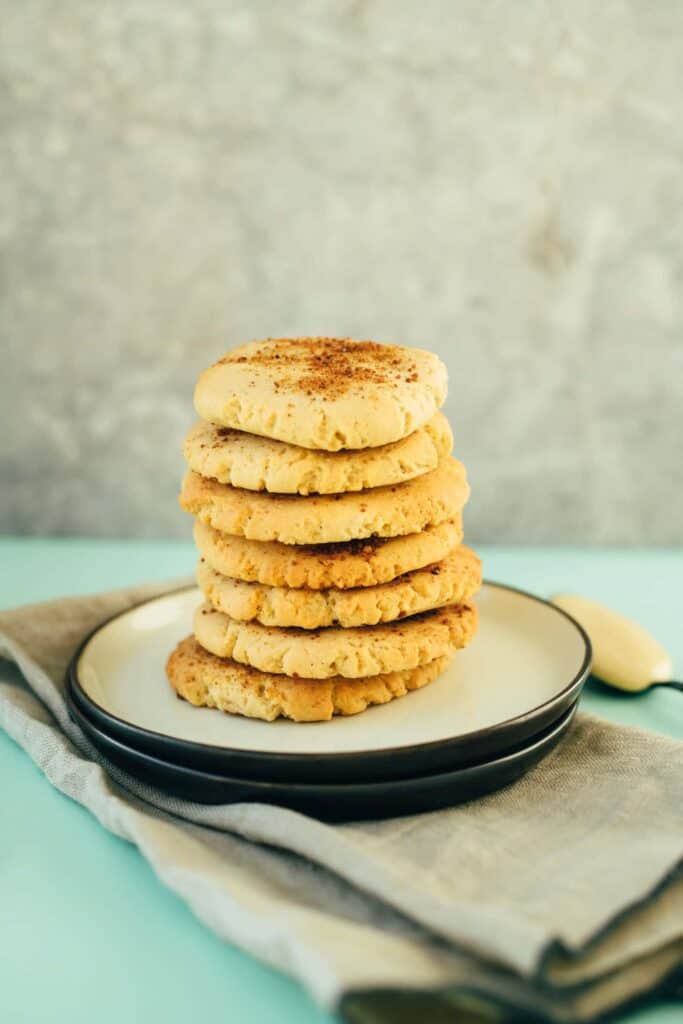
<point x="330" y="801"/>
<point x="524" y="669"/>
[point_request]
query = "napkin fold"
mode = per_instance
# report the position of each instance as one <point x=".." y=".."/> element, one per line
<point x="560" y="896"/>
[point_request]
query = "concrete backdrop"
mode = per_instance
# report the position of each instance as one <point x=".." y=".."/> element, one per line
<point x="499" y="181"/>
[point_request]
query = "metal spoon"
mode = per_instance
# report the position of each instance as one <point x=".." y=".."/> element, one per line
<point x="625" y="655"/>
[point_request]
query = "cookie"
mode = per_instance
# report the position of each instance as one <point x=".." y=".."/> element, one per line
<point x="329" y="519"/>
<point x="452" y="581"/>
<point x="353" y="653"/>
<point x="262" y="464"/>
<point x="205" y="680"/>
<point x="363" y="563"/>
<point x="323" y="393"/>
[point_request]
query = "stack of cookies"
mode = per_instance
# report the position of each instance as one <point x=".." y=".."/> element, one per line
<point x="328" y="517"/>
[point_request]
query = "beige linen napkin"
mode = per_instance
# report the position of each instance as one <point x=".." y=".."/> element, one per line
<point x="560" y="896"/>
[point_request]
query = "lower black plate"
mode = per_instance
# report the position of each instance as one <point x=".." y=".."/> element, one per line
<point x="329" y="801"/>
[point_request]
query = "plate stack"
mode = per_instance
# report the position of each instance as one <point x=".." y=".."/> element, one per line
<point x="328" y="513"/>
<point x="328" y="517"/>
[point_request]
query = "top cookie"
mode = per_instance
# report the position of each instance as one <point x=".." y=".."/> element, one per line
<point x="324" y="393"/>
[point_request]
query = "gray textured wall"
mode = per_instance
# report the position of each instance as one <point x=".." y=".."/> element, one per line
<point x="501" y="182"/>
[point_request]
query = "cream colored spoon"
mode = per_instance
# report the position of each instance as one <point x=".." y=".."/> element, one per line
<point x="624" y="654"/>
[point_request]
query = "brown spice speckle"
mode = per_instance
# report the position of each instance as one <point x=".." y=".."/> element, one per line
<point x="366" y="548"/>
<point x="330" y="366"/>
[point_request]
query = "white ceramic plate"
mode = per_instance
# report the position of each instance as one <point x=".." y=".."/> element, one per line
<point x="524" y="668"/>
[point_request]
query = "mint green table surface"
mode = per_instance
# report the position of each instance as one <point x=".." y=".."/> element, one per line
<point x="87" y="933"/>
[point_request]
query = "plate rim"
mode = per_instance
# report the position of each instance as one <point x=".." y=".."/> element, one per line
<point x="553" y="731"/>
<point x="198" y="747"/>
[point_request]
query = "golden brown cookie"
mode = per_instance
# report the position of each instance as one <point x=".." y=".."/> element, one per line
<point x="205" y="680"/>
<point x="453" y="580"/>
<point x="327" y="519"/>
<point x="362" y="563"/>
<point x="324" y="393"/>
<point x="353" y="653"/>
<point x="262" y="464"/>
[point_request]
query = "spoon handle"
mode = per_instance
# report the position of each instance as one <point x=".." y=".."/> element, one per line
<point x="673" y="684"/>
